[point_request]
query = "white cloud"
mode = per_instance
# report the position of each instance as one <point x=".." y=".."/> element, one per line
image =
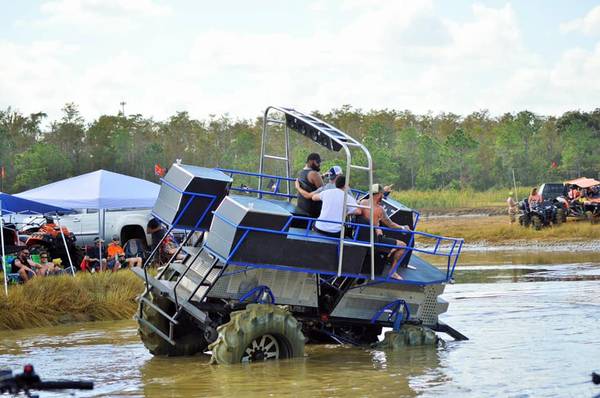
<point x="100" y="14"/>
<point x="589" y="24"/>
<point x="387" y="54"/>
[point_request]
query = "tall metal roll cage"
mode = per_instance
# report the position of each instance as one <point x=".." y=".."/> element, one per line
<point x="346" y="142"/>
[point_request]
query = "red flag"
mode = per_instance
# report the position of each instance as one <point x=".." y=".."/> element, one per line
<point x="159" y="171"/>
<point x="2" y="172"/>
<point x="554" y="165"/>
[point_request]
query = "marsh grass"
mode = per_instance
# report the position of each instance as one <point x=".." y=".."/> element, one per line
<point x="452" y="199"/>
<point x="63" y="299"/>
<point x="495" y="229"/>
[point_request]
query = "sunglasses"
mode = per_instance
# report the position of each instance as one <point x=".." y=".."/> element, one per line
<point x="44" y="257"/>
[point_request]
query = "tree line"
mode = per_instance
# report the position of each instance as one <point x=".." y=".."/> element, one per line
<point x="431" y="151"/>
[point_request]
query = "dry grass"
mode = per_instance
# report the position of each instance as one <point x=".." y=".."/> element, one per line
<point x="452" y="199"/>
<point x="62" y="299"/>
<point x="496" y="229"/>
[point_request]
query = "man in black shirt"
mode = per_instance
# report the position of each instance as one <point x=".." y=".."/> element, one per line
<point x="310" y="180"/>
<point x="25" y="266"/>
<point x="93" y="254"/>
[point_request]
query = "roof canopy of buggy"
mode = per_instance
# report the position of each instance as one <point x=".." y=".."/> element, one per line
<point x="583" y="182"/>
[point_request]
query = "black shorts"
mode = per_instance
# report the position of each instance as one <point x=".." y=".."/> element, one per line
<point x="386" y="241"/>
<point x="330" y="234"/>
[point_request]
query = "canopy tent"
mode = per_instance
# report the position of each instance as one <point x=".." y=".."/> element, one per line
<point x="13" y="204"/>
<point x="99" y="189"/>
<point x="583" y="182"/>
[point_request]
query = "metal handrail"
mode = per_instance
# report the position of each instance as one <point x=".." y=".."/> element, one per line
<point x="451" y="255"/>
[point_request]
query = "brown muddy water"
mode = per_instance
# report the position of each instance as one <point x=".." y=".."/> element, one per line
<point x="532" y="320"/>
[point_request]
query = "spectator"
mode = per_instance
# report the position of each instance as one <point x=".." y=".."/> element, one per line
<point x="116" y="255"/>
<point x="168" y="247"/>
<point x="51" y="267"/>
<point x="93" y="254"/>
<point x="513" y="208"/>
<point x="534" y="199"/>
<point x="25" y="266"/>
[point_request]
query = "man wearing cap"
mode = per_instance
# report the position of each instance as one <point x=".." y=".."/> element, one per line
<point x="332" y="175"/>
<point x="380" y="217"/>
<point x="93" y="255"/>
<point x="310" y="180"/>
<point x="116" y="256"/>
<point x="330" y="219"/>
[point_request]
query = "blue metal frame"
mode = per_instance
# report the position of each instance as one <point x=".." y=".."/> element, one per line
<point x="396" y="316"/>
<point x="452" y="256"/>
<point x="357" y="193"/>
<point x="257" y="293"/>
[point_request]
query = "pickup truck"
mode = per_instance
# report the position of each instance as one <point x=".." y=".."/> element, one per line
<point x="84" y="223"/>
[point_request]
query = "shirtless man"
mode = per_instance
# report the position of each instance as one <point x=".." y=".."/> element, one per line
<point x="24" y="266"/>
<point x="379" y="217"/>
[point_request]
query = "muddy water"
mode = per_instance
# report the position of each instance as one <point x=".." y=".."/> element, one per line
<point x="532" y="320"/>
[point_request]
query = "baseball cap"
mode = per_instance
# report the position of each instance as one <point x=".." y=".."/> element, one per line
<point x="97" y="239"/>
<point x="115" y="237"/>
<point x="376" y="188"/>
<point x="335" y="171"/>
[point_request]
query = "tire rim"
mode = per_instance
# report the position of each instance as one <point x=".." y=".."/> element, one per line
<point x="262" y="348"/>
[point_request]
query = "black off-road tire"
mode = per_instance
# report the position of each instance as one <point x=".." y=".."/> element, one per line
<point x="536" y="222"/>
<point x="188" y="337"/>
<point x="260" y="332"/>
<point x="524" y="220"/>
<point x="561" y="216"/>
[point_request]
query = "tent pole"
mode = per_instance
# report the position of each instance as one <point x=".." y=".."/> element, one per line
<point x="100" y="236"/>
<point x="65" y="243"/>
<point x="3" y="251"/>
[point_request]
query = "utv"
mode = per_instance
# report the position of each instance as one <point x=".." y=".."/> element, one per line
<point x="260" y="282"/>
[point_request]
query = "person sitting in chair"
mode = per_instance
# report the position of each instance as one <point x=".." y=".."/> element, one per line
<point x="116" y="255"/>
<point x="380" y="217"/>
<point x="25" y="266"/>
<point x="93" y="254"/>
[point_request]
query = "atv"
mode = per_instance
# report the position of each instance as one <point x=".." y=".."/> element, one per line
<point x="541" y="215"/>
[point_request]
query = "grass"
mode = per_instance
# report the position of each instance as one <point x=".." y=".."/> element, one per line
<point x="495" y="229"/>
<point x="63" y="299"/>
<point x="452" y="199"/>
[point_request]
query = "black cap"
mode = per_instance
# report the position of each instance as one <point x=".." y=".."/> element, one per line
<point x="313" y="156"/>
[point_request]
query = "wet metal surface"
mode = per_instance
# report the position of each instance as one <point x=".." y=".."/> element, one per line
<point x="532" y="323"/>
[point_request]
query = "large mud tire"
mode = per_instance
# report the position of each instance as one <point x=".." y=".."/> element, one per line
<point x="189" y="338"/>
<point x="524" y="220"/>
<point x="260" y="332"/>
<point x="536" y="222"/>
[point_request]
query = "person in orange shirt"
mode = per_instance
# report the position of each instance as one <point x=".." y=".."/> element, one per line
<point x="116" y="256"/>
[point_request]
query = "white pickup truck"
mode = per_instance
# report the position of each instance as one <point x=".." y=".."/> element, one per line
<point x="85" y="224"/>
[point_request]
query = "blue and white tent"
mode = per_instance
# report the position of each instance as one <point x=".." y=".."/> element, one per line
<point x="16" y="205"/>
<point x="99" y="189"/>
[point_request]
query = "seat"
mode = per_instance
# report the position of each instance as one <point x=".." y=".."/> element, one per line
<point x="135" y="248"/>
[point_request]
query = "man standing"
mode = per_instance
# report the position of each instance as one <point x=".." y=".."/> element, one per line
<point x="310" y="180"/>
<point x="512" y="208"/>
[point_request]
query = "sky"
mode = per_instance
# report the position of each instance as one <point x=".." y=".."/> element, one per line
<point x="238" y="57"/>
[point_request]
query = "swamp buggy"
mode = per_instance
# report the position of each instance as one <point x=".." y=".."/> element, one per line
<point x="259" y="282"/>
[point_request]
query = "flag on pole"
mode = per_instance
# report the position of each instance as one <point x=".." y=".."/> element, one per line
<point x="2" y="172"/>
<point x="159" y="171"/>
<point x="554" y="165"/>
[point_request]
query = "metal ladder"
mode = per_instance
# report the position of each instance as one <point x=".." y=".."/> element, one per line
<point x="263" y="148"/>
<point x="168" y="288"/>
